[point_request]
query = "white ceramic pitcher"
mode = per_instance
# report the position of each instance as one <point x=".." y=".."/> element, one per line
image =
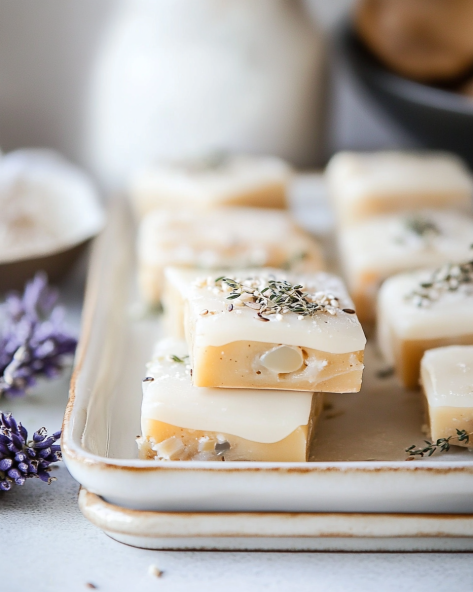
<point x="175" y="78"/>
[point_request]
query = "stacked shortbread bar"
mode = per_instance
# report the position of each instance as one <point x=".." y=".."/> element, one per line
<point x="262" y="346"/>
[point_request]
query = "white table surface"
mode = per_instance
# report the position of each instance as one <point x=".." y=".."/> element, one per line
<point x="46" y="544"/>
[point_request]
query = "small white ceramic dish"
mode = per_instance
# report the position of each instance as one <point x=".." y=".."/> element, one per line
<point x="50" y="210"/>
<point x="279" y="531"/>
<point x="358" y="459"/>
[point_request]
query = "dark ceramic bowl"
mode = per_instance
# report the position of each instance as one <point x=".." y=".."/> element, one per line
<point x="437" y="118"/>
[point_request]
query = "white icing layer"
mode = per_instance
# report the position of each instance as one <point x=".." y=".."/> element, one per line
<point x="447" y="376"/>
<point x="258" y="415"/>
<point x="338" y="333"/>
<point x="356" y="176"/>
<point x="385" y="244"/>
<point x="224" y="237"/>
<point x="450" y="315"/>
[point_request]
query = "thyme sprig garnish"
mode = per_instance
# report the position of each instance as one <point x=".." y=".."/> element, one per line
<point x="277" y="297"/>
<point x="441" y="445"/>
<point x="448" y="278"/>
<point x="421" y="226"/>
<point x="177" y="359"/>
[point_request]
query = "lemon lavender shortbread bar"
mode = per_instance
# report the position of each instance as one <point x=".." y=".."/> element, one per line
<point x="218" y="179"/>
<point x="382" y="246"/>
<point x="367" y="184"/>
<point x="221" y="238"/>
<point x="423" y="310"/>
<point x="447" y="379"/>
<point x="268" y="329"/>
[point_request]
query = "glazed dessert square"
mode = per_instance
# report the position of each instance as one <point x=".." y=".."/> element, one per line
<point x="424" y="310"/>
<point x="182" y="422"/>
<point x="268" y="329"/>
<point x="221" y="238"/>
<point x="216" y="180"/>
<point x="382" y="246"/>
<point x="367" y="184"/>
<point x="447" y="379"/>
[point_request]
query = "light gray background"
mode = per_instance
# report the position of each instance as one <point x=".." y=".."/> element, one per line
<point x="45" y="544"/>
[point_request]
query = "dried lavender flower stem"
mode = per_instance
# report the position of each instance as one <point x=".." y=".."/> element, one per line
<point x="33" y="340"/>
<point x="22" y="459"/>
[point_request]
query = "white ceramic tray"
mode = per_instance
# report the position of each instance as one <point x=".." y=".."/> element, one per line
<point x="279" y="531"/>
<point x="358" y="459"/>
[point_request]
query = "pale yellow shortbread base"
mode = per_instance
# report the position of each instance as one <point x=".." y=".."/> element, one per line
<point x="293" y="448"/>
<point x="444" y="421"/>
<point x="237" y="365"/>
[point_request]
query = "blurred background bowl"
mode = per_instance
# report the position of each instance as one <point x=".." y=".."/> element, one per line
<point x="15" y="274"/>
<point x="436" y="118"/>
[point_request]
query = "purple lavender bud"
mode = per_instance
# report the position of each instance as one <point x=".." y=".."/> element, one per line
<point x="31" y="452"/>
<point x="13" y="473"/>
<point x="5" y="464"/>
<point x="23" y="432"/>
<point x="17" y="442"/>
<point x="44" y="453"/>
<point x="5" y="485"/>
<point x="23" y="467"/>
<point x="44" y="476"/>
<point x="39" y="435"/>
<point x="4" y="440"/>
<point x="12" y="424"/>
<point x="46" y="443"/>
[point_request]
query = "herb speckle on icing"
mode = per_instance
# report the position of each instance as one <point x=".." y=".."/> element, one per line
<point x="177" y="359"/>
<point x="448" y="278"/>
<point x="277" y="297"/>
<point x="421" y="226"/>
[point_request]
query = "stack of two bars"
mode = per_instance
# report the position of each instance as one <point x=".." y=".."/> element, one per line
<point x="262" y="346"/>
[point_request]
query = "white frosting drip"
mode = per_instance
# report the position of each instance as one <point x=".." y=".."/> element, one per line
<point x="338" y="333"/>
<point x="258" y="415"/>
<point x="450" y="315"/>
<point x="447" y="376"/>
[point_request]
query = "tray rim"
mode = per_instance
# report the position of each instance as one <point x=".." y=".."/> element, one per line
<point x="74" y="452"/>
<point x="145" y="523"/>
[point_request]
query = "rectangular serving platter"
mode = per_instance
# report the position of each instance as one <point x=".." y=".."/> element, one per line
<point x="358" y="463"/>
